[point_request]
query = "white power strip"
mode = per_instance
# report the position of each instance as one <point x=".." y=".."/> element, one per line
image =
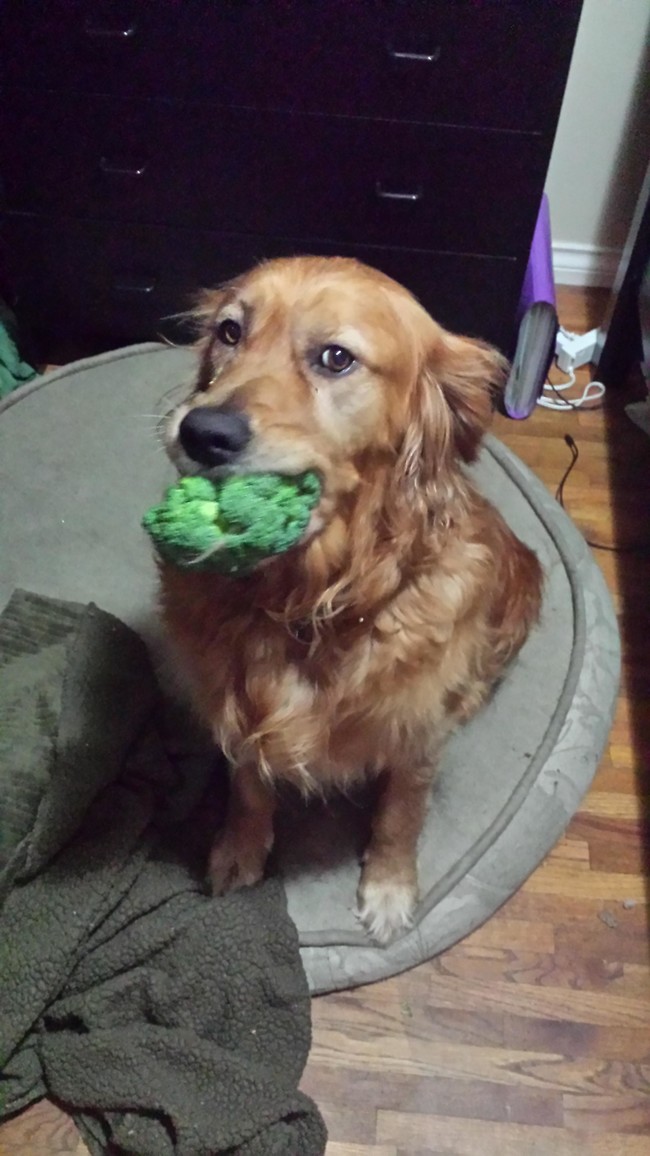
<point x="571" y="351"/>
<point x="575" y="349"/>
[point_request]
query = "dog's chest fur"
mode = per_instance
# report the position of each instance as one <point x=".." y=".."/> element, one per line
<point x="311" y="708"/>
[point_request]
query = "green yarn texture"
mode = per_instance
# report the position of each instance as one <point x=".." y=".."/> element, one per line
<point x="231" y="524"/>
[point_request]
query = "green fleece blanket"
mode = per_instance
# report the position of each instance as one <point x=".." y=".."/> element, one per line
<point x="13" y="370"/>
<point x="167" y="1022"/>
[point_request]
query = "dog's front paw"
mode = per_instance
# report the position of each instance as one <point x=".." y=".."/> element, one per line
<point x="386" y="907"/>
<point x="234" y="864"/>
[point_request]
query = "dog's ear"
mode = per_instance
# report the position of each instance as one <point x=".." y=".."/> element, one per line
<point x="453" y="384"/>
<point x="426" y="441"/>
<point x="450" y="406"/>
<point x="469" y="374"/>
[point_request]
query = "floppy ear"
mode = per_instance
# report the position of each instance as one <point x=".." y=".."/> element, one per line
<point x="450" y="406"/>
<point x="469" y="374"/>
<point x="425" y="448"/>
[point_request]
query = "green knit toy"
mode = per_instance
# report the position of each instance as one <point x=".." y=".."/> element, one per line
<point x="232" y="524"/>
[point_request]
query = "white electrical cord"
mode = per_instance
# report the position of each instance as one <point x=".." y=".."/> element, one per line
<point x="592" y="392"/>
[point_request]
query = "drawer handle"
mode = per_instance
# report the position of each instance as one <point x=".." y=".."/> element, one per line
<point x="108" y="32"/>
<point x="137" y="285"/>
<point x="119" y="168"/>
<point x="416" y="57"/>
<point x="385" y="194"/>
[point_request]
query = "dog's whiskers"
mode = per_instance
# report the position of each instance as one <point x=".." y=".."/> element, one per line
<point x="175" y="393"/>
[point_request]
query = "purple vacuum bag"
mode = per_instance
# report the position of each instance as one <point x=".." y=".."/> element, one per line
<point x="538" y="283"/>
<point x="538" y="324"/>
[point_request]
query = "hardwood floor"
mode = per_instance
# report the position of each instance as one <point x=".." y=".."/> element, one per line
<point x="532" y="1036"/>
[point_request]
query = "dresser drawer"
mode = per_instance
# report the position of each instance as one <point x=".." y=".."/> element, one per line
<point x="96" y="283"/>
<point x="106" y="285"/>
<point x="241" y="170"/>
<point x="492" y="63"/>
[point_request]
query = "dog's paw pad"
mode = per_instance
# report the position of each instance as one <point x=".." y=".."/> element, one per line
<point x="386" y="909"/>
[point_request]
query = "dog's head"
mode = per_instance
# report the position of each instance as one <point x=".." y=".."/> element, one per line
<point x="325" y="364"/>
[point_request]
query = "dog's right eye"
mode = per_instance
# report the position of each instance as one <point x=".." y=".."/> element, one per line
<point x="229" y="331"/>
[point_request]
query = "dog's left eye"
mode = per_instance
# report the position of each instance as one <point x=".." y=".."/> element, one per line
<point x="336" y="359"/>
<point x="229" y="331"/>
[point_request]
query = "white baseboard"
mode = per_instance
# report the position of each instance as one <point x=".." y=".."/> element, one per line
<point x="575" y="264"/>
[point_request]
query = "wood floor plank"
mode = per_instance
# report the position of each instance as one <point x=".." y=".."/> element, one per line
<point x="615" y="805"/>
<point x="541" y="1002"/>
<point x="615" y="845"/>
<point x="584" y="910"/>
<point x="346" y="1121"/>
<point x="453" y="1137"/>
<point x="619" y="935"/>
<point x="573" y="848"/>
<point x="419" y="1057"/>
<point x="415" y="1057"/>
<point x="44" y="1130"/>
<point x="334" y="1149"/>
<point x="586" y="971"/>
<point x="476" y="1099"/>
<point x="629" y="1114"/>
<point x="577" y="1041"/>
<point x="635" y="981"/>
<point x="569" y="879"/>
<point x="516" y="934"/>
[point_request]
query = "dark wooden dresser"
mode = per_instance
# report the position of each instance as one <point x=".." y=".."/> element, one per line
<point x="148" y="147"/>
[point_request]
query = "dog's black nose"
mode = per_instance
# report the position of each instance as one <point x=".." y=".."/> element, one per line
<point x="213" y="437"/>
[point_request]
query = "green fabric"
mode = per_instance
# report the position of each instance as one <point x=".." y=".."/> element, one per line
<point x="168" y="1022"/>
<point x="233" y="523"/>
<point x="13" y="370"/>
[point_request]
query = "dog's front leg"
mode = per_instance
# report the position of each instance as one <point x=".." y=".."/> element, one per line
<point x="241" y="848"/>
<point x="388" y="889"/>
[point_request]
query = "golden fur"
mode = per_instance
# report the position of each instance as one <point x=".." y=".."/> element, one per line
<point x="359" y="651"/>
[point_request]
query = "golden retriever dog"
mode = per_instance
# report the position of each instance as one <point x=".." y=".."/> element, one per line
<point x="356" y="653"/>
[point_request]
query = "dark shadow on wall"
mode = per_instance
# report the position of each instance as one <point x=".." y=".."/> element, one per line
<point x="632" y="157"/>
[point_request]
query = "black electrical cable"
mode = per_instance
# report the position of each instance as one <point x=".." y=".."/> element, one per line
<point x="642" y="547"/>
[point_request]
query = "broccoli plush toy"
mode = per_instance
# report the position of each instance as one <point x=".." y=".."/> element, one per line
<point x="231" y="524"/>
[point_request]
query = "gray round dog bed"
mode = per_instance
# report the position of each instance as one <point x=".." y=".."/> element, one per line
<point x="80" y="463"/>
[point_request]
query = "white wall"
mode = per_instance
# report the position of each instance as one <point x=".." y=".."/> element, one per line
<point x="602" y="148"/>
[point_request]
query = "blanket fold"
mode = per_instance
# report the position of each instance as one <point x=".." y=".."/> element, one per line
<point x="169" y="1023"/>
<point x="14" y="371"/>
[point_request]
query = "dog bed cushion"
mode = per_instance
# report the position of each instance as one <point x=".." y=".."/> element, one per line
<point x="79" y="462"/>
